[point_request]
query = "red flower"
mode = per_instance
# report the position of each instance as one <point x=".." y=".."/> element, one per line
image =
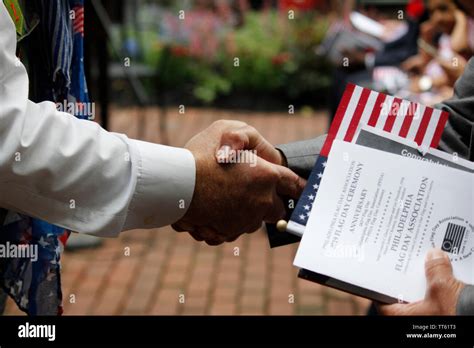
<point x="179" y="51"/>
<point x="281" y="58"/>
<point x="303" y="5"/>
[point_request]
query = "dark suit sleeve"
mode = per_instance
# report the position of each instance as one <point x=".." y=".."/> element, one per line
<point x="302" y="155"/>
<point x="457" y="136"/>
<point x="466" y="301"/>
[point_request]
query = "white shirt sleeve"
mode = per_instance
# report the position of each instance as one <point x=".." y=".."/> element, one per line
<point x="75" y="174"/>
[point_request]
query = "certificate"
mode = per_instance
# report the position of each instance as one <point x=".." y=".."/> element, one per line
<point x="375" y="217"/>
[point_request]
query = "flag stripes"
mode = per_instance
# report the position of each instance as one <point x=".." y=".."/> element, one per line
<point x="361" y="106"/>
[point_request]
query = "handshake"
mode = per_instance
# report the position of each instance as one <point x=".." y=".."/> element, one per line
<point x="240" y="178"/>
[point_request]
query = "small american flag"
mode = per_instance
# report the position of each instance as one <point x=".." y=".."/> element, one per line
<point x="78" y="21"/>
<point x="361" y="106"/>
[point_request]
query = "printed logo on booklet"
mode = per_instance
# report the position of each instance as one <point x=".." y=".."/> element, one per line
<point x="453" y="235"/>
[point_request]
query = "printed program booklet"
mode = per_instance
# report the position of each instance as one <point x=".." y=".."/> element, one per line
<point x="378" y="212"/>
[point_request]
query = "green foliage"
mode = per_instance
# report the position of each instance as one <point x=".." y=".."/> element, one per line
<point x="209" y="84"/>
<point x="275" y="55"/>
<point x="257" y="43"/>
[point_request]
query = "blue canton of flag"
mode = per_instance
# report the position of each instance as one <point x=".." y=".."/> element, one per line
<point x="305" y="202"/>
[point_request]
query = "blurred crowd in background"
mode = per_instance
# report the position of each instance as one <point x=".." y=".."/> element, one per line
<point x="226" y="52"/>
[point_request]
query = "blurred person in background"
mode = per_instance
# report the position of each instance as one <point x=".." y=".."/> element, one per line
<point x="446" y="43"/>
<point x="400" y="43"/>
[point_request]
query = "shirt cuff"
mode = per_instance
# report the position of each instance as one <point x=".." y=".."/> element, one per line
<point x="165" y="185"/>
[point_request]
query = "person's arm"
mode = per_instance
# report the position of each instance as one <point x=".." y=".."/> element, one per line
<point x="459" y="36"/>
<point x="465" y="304"/>
<point x="75" y="174"/>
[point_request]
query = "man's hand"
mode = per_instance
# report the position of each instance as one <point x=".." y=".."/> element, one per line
<point x="235" y="198"/>
<point x="442" y="293"/>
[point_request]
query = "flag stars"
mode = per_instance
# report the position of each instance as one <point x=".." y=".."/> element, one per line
<point x="311" y="197"/>
<point x="325" y="164"/>
<point x="320" y="175"/>
<point x="306" y="207"/>
<point x="302" y="217"/>
<point x="315" y="186"/>
<point x="42" y="242"/>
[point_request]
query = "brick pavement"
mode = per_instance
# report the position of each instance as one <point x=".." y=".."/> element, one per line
<point x="162" y="272"/>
